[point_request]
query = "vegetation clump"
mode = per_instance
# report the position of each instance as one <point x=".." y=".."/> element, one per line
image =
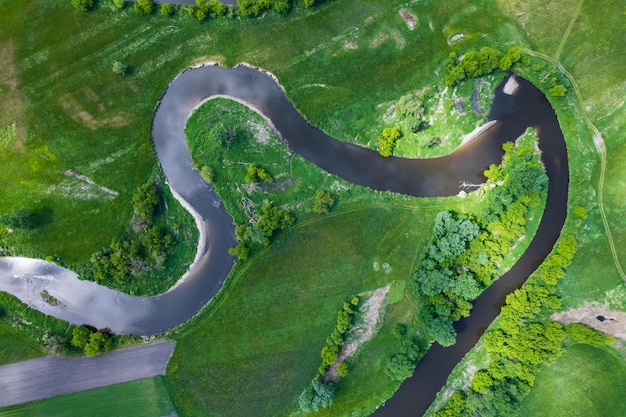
<point x="93" y="341"/>
<point x="521" y="342"/>
<point x="464" y="255"/>
<point x="323" y="201"/>
<point x="387" y="141"/>
<point x="319" y="393"/>
<point x="143" y="251"/>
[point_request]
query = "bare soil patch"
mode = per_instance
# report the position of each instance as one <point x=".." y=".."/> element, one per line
<point x="76" y="111"/>
<point x="409" y="18"/>
<point x="362" y="331"/>
<point x="601" y="318"/>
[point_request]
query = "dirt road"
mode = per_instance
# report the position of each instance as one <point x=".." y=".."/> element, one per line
<point x="48" y="377"/>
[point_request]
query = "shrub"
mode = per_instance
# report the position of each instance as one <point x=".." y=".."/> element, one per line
<point x="82" y="5"/>
<point x="322" y="202"/>
<point x="167" y="9"/>
<point x="119" y="4"/>
<point x="583" y="334"/>
<point x="144" y="6"/>
<point x="119" y="68"/>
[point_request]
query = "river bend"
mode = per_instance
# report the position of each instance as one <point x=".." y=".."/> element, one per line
<point x="87" y="302"/>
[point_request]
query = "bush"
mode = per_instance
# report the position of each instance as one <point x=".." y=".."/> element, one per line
<point x="144" y="7"/>
<point x="119" y="68"/>
<point x="82" y="5"/>
<point x="322" y="202"/>
<point x="167" y="9"/>
<point x="207" y="173"/>
<point x="316" y="396"/>
<point x="119" y="4"/>
<point x="583" y="334"/>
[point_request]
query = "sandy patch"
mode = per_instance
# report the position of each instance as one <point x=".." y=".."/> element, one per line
<point x="394" y="35"/>
<point x="455" y="38"/>
<point x="477" y="132"/>
<point x="601" y="318"/>
<point x="84" y="178"/>
<point x="261" y="134"/>
<point x="409" y="18"/>
<point x="362" y="331"/>
<point x="511" y="86"/>
<point x="350" y="45"/>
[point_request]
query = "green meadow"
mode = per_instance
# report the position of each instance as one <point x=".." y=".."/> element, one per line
<point x="140" y="398"/>
<point x="343" y="64"/>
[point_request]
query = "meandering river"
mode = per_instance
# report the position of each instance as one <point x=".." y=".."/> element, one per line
<point x="87" y="302"/>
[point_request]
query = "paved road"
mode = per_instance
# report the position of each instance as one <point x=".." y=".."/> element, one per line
<point x="48" y="377"/>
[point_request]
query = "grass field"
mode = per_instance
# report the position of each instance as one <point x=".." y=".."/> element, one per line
<point x="585" y="381"/>
<point x="15" y="347"/>
<point x="269" y="328"/>
<point x="61" y="108"/>
<point x="140" y="398"/>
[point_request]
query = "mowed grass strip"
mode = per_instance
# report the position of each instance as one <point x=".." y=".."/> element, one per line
<point x="261" y="345"/>
<point x="586" y="381"/>
<point x="15" y="347"/>
<point x="140" y="398"/>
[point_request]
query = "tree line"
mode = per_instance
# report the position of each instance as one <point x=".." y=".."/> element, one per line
<point x="466" y="252"/>
<point x="475" y="63"/>
<point x="521" y="341"/>
<point x="202" y="9"/>
<point x="320" y="391"/>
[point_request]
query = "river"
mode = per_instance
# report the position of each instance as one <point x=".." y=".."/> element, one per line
<point x="87" y="302"/>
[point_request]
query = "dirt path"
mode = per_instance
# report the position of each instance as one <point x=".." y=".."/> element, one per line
<point x="48" y="377"/>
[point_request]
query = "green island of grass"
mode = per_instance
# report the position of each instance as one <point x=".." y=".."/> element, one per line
<point x="76" y="105"/>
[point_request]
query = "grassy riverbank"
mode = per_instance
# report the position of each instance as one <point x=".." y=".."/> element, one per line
<point x="62" y="108"/>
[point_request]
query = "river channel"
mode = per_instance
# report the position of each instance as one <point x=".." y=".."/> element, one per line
<point x="87" y="302"/>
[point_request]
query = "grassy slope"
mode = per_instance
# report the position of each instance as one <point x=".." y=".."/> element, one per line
<point x="140" y="398"/>
<point x="576" y="386"/>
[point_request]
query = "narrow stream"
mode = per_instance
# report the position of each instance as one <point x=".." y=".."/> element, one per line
<point x="87" y="302"/>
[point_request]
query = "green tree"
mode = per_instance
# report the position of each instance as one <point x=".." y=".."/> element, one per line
<point x="119" y="68"/>
<point x="98" y="342"/>
<point x="144" y="7"/>
<point x="399" y="367"/>
<point x="119" y="4"/>
<point x="322" y="202"/>
<point x="166" y="9"/>
<point x="316" y="396"/>
<point x="557" y="91"/>
<point x="388" y="141"/>
<point x="80" y="336"/>
<point x="82" y="5"/>
<point x="281" y="6"/>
